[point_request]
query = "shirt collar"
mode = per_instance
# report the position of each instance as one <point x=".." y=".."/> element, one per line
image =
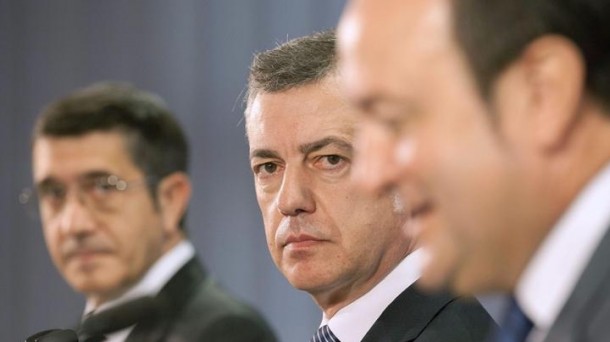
<point x="552" y="273"/>
<point x="154" y="279"/>
<point x="352" y="322"/>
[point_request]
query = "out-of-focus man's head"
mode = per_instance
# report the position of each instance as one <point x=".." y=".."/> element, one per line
<point x="110" y="173"/>
<point x="483" y="114"/>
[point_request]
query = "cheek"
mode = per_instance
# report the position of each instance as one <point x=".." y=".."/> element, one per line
<point x="270" y="216"/>
<point x="53" y="241"/>
<point x="270" y="229"/>
<point x="139" y="238"/>
<point x="270" y="226"/>
<point x="266" y="203"/>
<point x="367" y="222"/>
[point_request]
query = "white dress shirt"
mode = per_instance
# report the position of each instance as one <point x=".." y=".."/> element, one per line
<point x="352" y="322"/>
<point x="150" y="284"/>
<point x="552" y="274"/>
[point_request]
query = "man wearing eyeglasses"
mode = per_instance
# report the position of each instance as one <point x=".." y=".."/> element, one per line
<point x="110" y="173"/>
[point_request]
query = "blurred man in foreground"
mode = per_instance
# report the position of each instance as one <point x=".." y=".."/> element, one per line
<point x="495" y="114"/>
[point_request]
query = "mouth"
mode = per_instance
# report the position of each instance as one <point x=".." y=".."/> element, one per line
<point x="85" y="255"/>
<point x="301" y="241"/>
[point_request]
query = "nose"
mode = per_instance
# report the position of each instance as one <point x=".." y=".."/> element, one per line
<point x="381" y="159"/>
<point x="75" y="218"/>
<point x="295" y="195"/>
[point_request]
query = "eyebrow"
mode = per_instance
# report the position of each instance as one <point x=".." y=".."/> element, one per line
<point x="306" y="148"/>
<point x="320" y="144"/>
<point x="264" y="154"/>
<point x="88" y="175"/>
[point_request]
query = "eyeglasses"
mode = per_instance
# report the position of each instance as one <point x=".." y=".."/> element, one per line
<point x="99" y="192"/>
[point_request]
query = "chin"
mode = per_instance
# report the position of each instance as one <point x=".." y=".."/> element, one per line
<point x="310" y="283"/>
<point x="438" y="275"/>
<point x="94" y="283"/>
<point x="433" y="282"/>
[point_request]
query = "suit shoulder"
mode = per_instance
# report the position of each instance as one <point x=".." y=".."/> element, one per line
<point x="461" y="320"/>
<point x="214" y="315"/>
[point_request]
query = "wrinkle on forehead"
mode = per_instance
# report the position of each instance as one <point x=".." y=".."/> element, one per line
<point x="321" y="100"/>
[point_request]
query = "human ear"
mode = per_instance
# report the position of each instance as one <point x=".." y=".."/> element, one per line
<point x="554" y="76"/>
<point x="174" y="193"/>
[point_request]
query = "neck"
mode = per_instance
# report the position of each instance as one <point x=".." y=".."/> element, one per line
<point x="335" y="298"/>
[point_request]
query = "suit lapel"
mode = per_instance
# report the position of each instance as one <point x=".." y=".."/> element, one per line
<point x="174" y="295"/>
<point x="407" y="316"/>
<point x="587" y="312"/>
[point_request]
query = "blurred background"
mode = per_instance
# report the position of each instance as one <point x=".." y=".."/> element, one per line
<point x="193" y="53"/>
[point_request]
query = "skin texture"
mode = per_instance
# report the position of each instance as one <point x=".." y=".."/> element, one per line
<point x="325" y="235"/>
<point x="486" y="179"/>
<point x="102" y="253"/>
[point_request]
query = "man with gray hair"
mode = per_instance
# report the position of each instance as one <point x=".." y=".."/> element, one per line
<point x="354" y="253"/>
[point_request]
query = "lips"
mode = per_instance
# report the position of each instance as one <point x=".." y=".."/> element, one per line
<point x="301" y="240"/>
<point x="85" y="254"/>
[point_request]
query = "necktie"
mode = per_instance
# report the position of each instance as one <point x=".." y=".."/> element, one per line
<point x="324" y="334"/>
<point x="515" y="326"/>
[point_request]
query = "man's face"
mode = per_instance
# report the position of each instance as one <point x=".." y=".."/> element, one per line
<point x="101" y="241"/>
<point x="427" y="132"/>
<point x="325" y="236"/>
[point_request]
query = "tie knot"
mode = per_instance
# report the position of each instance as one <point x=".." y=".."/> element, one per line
<point x="324" y="334"/>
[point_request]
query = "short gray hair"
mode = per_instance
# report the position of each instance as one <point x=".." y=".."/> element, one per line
<point x="295" y="63"/>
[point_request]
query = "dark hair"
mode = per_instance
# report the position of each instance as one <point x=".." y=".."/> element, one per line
<point x="295" y="63"/>
<point x="155" y="141"/>
<point x="493" y="33"/>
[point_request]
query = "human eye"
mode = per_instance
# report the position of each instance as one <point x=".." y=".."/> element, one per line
<point x="51" y="193"/>
<point x="101" y="186"/>
<point x="331" y="162"/>
<point x="265" y="169"/>
<point x="393" y="118"/>
<point x="391" y="125"/>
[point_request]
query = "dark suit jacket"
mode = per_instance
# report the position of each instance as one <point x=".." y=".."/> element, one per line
<point x="198" y="310"/>
<point x="417" y="316"/>
<point x="586" y="315"/>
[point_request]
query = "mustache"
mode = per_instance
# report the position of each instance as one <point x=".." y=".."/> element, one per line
<point x="296" y="226"/>
<point x="75" y="246"/>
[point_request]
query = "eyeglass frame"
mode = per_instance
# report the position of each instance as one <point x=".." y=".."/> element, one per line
<point x="106" y="185"/>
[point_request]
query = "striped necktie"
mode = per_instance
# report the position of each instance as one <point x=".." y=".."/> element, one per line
<point x="324" y="334"/>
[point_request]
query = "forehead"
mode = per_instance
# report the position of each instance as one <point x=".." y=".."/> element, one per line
<point x="382" y="39"/>
<point x="299" y="115"/>
<point x="69" y="157"/>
